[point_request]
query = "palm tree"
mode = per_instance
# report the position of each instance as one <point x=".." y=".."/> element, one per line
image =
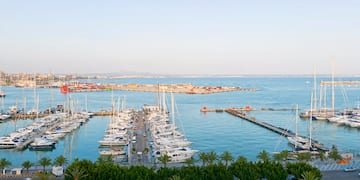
<point x="27" y="165"/>
<point x="4" y="163"/>
<point x="175" y="177"/>
<point x="263" y="155"/>
<point x="306" y="156"/>
<point x="60" y="161"/>
<point x="278" y="157"/>
<point x="285" y="154"/>
<point x="203" y="157"/>
<point x="334" y="154"/>
<point x="75" y="173"/>
<point x="212" y="156"/>
<point x="241" y="159"/>
<point x="164" y="159"/>
<point x="189" y="161"/>
<point x="226" y="156"/>
<point x="44" y="162"/>
<point x="308" y="175"/>
<point x="321" y="155"/>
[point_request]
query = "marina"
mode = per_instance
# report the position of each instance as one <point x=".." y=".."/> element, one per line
<point x="204" y="130"/>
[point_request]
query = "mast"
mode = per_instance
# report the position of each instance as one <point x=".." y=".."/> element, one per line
<point x="315" y="98"/>
<point x="320" y="98"/>
<point x="325" y="106"/>
<point x="124" y="103"/>
<point x="296" y="120"/>
<point x="310" y="124"/>
<point x="333" y="88"/>
<point x="172" y="108"/>
<point x="164" y="102"/>
<point x="159" y="98"/>
<point x="86" y="104"/>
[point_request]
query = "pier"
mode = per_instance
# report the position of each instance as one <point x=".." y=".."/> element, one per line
<point x="276" y="129"/>
<point x="341" y="83"/>
<point x="279" y="130"/>
<point x="246" y="108"/>
<point x="139" y="142"/>
<point x="28" y="116"/>
<point x="31" y="139"/>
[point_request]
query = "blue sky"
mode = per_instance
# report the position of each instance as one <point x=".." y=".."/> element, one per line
<point x="180" y="37"/>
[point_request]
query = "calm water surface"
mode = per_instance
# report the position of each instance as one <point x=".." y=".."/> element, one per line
<point x="210" y="131"/>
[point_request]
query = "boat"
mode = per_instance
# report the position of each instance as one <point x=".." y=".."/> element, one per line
<point x="112" y="152"/>
<point x="4" y="116"/>
<point x="42" y="144"/>
<point x="7" y="143"/>
<point x="298" y="141"/>
<point x="2" y="94"/>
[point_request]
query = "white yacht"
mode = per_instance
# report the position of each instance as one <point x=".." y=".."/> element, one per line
<point x="7" y="143"/>
<point x="112" y="152"/>
<point x="42" y="144"/>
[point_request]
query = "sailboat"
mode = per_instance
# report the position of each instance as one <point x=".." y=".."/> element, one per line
<point x="2" y="94"/>
<point x="298" y="141"/>
<point x="167" y="139"/>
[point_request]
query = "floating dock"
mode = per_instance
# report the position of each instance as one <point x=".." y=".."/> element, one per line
<point x="276" y="129"/>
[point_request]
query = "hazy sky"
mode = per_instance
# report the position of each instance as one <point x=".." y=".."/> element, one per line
<point x="180" y="37"/>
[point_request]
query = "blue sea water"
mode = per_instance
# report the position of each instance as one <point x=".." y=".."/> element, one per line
<point x="208" y="131"/>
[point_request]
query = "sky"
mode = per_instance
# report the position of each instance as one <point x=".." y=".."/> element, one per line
<point x="239" y="37"/>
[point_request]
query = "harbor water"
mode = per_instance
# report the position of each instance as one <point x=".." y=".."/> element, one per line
<point x="208" y="131"/>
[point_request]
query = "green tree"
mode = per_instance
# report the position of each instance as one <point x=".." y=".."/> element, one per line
<point x="175" y="177"/>
<point x="212" y="156"/>
<point x="241" y="159"/>
<point x="45" y="162"/>
<point x="285" y="155"/>
<point x="164" y="159"/>
<point x="203" y="157"/>
<point x="27" y="165"/>
<point x="321" y="156"/>
<point x="263" y="155"/>
<point x="278" y="157"/>
<point x="60" y="161"/>
<point x="4" y="163"/>
<point x="297" y="169"/>
<point x="308" y="175"/>
<point x="189" y="162"/>
<point x="244" y="170"/>
<point x="84" y="168"/>
<point x="226" y="156"/>
<point x="75" y="173"/>
<point x="306" y="156"/>
<point x="334" y="154"/>
<point x="271" y="170"/>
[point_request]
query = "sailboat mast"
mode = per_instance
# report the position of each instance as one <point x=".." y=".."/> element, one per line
<point x="310" y="124"/>
<point x="320" y="98"/>
<point x="172" y="108"/>
<point x="296" y="119"/>
<point x="315" y="98"/>
<point x="86" y="104"/>
<point x="333" y="89"/>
